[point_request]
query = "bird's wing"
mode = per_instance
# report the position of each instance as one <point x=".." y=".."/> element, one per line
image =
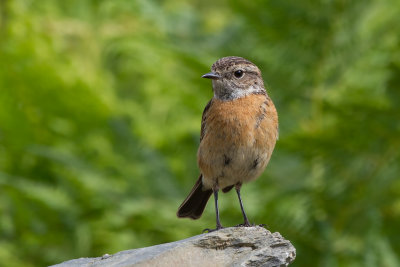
<point x="203" y="119"/>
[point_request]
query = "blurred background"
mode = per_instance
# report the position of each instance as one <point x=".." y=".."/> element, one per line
<point x="100" y="110"/>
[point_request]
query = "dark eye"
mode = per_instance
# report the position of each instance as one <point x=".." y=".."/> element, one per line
<point x="238" y="73"/>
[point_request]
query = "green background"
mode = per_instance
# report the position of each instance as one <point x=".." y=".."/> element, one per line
<point x="100" y="109"/>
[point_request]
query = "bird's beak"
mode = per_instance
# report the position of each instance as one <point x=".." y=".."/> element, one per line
<point x="211" y="75"/>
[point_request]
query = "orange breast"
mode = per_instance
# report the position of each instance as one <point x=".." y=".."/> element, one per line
<point x="238" y="140"/>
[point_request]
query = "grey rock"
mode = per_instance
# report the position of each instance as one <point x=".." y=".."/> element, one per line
<point x="235" y="246"/>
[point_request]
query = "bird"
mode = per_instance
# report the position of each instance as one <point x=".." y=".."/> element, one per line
<point x="239" y="129"/>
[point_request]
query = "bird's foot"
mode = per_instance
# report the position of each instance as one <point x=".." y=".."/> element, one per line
<point x="245" y="225"/>
<point x="208" y="230"/>
<point x="248" y="224"/>
<point x="263" y="225"/>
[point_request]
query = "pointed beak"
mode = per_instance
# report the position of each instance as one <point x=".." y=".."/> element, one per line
<point x="211" y="75"/>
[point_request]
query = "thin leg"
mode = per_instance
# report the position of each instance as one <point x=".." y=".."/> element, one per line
<point x="246" y="221"/>
<point x="219" y="226"/>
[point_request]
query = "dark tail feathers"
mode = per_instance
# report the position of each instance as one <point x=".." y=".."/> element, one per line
<point x="194" y="204"/>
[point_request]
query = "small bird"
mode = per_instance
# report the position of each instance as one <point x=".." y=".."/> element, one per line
<point x="239" y="129"/>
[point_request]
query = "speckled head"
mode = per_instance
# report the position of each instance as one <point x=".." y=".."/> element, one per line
<point x="235" y="77"/>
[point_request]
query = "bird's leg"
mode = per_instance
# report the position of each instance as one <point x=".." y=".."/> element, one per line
<point x="246" y="221"/>
<point x="219" y="226"/>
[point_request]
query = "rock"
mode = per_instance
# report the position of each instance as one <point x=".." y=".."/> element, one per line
<point x="235" y="246"/>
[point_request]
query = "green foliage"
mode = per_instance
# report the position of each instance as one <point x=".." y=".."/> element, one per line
<point x="100" y="117"/>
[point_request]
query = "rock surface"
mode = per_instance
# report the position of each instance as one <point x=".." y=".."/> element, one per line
<point x="235" y="246"/>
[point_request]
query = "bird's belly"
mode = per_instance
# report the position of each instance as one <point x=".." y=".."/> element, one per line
<point x="247" y="163"/>
<point x="225" y="161"/>
<point x="238" y="139"/>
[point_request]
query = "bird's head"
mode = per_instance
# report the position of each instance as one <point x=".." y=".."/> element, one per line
<point x="235" y="77"/>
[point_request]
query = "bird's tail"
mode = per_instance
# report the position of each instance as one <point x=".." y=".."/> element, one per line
<point x="194" y="204"/>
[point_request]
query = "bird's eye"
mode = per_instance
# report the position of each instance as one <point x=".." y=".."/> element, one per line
<point x="238" y="73"/>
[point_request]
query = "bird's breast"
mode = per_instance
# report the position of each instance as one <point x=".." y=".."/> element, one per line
<point x="238" y="140"/>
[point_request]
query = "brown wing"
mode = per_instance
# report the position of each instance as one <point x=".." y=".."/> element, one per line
<point x="203" y="119"/>
<point x="194" y="204"/>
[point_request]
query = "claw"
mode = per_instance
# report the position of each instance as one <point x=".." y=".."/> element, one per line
<point x="208" y="230"/>
<point x="245" y="225"/>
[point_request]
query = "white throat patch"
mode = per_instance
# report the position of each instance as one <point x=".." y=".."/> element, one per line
<point x="222" y="93"/>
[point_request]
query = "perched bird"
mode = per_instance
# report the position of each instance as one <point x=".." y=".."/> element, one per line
<point x="239" y="130"/>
